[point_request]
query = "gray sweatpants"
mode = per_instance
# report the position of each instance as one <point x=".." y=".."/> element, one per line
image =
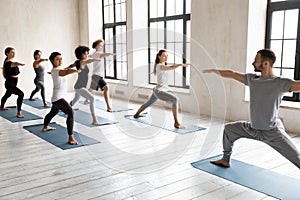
<point x="277" y="138"/>
<point x="165" y="96"/>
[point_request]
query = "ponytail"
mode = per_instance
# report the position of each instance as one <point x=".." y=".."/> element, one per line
<point x="157" y="59"/>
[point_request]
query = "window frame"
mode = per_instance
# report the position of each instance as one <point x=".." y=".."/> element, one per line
<point x="185" y="17"/>
<point x="113" y="25"/>
<point x="281" y="6"/>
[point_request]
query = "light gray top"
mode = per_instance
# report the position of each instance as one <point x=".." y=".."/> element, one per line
<point x="265" y="99"/>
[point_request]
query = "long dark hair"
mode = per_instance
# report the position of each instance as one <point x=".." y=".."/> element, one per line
<point x="6" y="51"/>
<point x="157" y="59"/>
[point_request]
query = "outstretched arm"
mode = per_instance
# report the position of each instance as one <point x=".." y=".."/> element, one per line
<point x="37" y="62"/>
<point x="172" y="67"/>
<point x="295" y="86"/>
<point x="64" y="72"/>
<point x="15" y="64"/>
<point x="103" y="55"/>
<point x="227" y="74"/>
<point x="89" y="60"/>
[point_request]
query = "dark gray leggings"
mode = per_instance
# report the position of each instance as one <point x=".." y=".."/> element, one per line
<point x="164" y="96"/>
<point x="64" y="106"/>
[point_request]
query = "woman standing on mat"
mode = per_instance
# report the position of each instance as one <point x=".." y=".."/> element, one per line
<point x="98" y="72"/>
<point x="161" y="91"/>
<point x="81" y="53"/>
<point x="39" y="79"/>
<point x="58" y="102"/>
<point x="11" y="73"/>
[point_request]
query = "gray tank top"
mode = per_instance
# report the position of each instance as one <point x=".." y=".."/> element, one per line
<point x="40" y="71"/>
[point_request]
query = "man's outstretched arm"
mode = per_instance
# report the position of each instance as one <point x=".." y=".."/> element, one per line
<point x="227" y="74"/>
<point x="295" y="86"/>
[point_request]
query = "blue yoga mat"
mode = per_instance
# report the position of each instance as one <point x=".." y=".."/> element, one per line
<point x="253" y="177"/>
<point x="38" y="103"/>
<point x="102" y="105"/>
<point x="86" y="118"/>
<point x="59" y="137"/>
<point x="10" y="115"/>
<point x="165" y="125"/>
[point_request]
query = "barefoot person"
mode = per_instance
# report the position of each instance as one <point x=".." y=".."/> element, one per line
<point x="266" y="92"/>
<point x="58" y="102"/>
<point x="11" y="73"/>
<point x="161" y="91"/>
<point x="98" y="72"/>
<point x="82" y="53"/>
<point x="39" y="78"/>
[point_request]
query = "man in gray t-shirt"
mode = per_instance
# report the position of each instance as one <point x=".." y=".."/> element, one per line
<point x="266" y="92"/>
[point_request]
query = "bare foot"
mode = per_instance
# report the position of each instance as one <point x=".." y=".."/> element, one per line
<point x="32" y="99"/>
<point x="20" y="115"/>
<point x="221" y="163"/>
<point x="137" y="116"/>
<point x="4" y="108"/>
<point x="179" y="126"/>
<point x="46" y="105"/>
<point x="86" y="102"/>
<point x="72" y="140"/>
<point x="96" y="123"/>
<point x="109" y="110"/>
<point x="48" y="128"/>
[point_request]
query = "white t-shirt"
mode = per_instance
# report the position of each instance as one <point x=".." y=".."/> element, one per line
<point x="162" y="79"/>
<point x="98" y="66"/>
<point x="59" y="85"/>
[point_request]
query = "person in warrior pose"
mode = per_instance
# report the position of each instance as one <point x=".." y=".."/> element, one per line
<point x="82" y="53"/>
<point x="11" y="72"/>
<point x="266" y="92"/>
<point x="98" y="72"/>
<point x="58" y="102"/>
<point x="39" y="78"/>
<point x="161" y="91"/>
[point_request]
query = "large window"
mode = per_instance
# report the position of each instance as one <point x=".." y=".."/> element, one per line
<point x="169" y="28"/>
<point x="114" y="31"/>
<point x="283" y="34"/>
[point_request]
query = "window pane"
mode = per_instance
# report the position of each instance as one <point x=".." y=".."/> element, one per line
<point x="188" y="31"/>
<point x="277" y="25"/>
<point x="276" y="46"/>
<point x="291" y="24"/>
<point x="157" y="32"/>
<point x="288" y="73"/>
<point x="289" y="52"/>
<point x="188" y="6"/>
<point x="120" y="12"/>
<point x="108" y="36"/>
<point x="175" y="30"/>
<point x="156" y="8"/>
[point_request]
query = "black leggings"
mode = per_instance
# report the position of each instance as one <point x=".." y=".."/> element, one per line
<point x="11" y="88"/>
<point x="39" y="86"/>
<point x="64" y="106"/>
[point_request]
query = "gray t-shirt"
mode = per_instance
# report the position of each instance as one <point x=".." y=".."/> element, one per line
<point x="265" y="99"/>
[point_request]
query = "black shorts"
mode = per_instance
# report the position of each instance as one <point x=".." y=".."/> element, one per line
<point x="97" y="82"/>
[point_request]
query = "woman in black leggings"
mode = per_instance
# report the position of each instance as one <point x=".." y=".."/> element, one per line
<point x="58" y="102"/>
<point x="11" y="73"/>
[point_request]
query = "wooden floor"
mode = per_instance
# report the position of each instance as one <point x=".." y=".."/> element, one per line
<point x="133" y="161"/>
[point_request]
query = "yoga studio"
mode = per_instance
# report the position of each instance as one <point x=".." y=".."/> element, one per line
<point x="150" y="99"/>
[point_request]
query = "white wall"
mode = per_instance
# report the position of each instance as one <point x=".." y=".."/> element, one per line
<point x="38" y="24"/>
